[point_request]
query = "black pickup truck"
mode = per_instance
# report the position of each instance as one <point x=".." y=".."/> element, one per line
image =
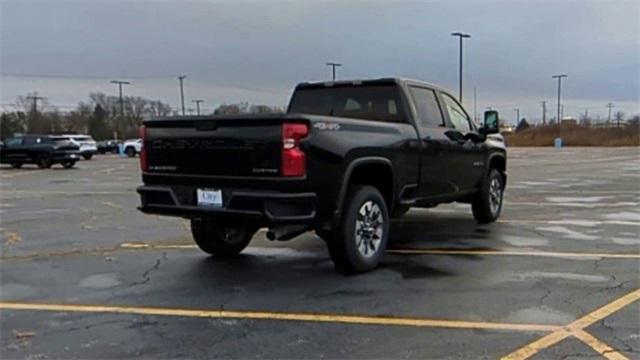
<point x="345" y="158"/>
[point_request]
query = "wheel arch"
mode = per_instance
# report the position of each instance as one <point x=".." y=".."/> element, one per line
<point x="498" y="161"/>
<point x="357" y="173"/>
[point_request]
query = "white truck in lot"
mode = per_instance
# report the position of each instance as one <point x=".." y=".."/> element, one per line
<point x="132" y="147"/>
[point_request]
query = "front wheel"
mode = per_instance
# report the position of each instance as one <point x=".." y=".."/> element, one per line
<point x="130" y="151"/>
<point x="487" y="204"/>
<point x="68" y="164"/>
<point x="218" y="239"/>
<point x="87" y="156"/>
<point x="44" y="161"/>
<point x="359" y="243"/>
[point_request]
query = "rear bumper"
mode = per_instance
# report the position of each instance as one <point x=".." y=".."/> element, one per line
<point x="261" y="207"/>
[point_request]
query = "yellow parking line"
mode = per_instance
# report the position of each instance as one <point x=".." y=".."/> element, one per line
<point x="597" y="345"/>
<point x="511" y="253"/>
<point x="576" y="329"/>
<point x="282" y="316"/>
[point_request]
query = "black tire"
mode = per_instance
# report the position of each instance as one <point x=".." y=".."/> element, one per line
<point x="219" y="240"/>
<point x="44" y="161"/>
<point x="130" y="151"/>
<point x="68" y="164"/>
<point x="487" y="204"/>
<point x="350" y="243"/>
<point x="16" y="165"/>
<point x="400" y="210"/>
<point x="87" y="156"/>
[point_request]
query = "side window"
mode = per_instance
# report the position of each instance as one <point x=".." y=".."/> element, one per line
<point x="458" y="117"/>
<point x="31" y="140"/>
<point x="429" y="114"/>
<point x="13" y="142"/>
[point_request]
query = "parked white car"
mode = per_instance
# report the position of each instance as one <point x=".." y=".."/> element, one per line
<point x="132" y="147"/>
<point x="85" y="143"/>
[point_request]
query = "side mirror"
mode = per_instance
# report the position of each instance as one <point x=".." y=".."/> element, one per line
<point x="491" y="122"/>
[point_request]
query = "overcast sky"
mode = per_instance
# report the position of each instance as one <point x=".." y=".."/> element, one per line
<point x="257" y="51"/>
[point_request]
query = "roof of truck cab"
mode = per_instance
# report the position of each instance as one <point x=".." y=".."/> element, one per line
<point x="385" y="80"/>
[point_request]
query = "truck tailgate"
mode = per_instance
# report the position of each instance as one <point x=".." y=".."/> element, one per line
<point x="210" y="146"/>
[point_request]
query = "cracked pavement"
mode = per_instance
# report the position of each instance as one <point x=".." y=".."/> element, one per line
<point x="71" y="224"/>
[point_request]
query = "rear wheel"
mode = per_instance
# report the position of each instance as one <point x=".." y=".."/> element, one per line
<point x="359" y="243"/>
<point x="87" y="156"/>
<point x="487" y="204"/>
<point x="130" y="151"/>
<point x="16" y="165"/>
<point x="68" y="164"/>
<point x="219" y="239"/>
<point x="44" y="161"/>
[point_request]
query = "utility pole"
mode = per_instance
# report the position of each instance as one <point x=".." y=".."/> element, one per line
<point x="610" y="106"/>
<point x="585" y="120"/>
<point x="35" y="99"/>
<point x="333" y="68"/>
<point x="198" y="101"/>
<point x="120" y="83"/>
<point x="517" y="110"/>
<point x="461" y="36"/>
<point x="475" y="98"/>
<point x="544" y="112"/>
<point x="181" y="78"/>
<point x="559" y="77"/>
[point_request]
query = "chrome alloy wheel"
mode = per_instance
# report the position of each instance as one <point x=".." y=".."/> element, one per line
<point x="369" y="228"/>
<point x="495" y="195"/>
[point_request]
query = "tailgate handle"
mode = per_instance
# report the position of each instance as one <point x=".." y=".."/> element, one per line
<point x="206" y="126"/>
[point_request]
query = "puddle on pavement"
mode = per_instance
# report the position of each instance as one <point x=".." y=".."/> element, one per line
<point x="17" y="291"/>
<point x="539" y="315"/>
<point x="100" y="281"/>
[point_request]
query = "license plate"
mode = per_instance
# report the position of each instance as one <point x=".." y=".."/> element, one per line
<point x="209" y="197"/>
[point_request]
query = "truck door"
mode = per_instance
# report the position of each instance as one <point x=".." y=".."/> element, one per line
<point x="466" y="157"/>
<point x="436" y="175"/>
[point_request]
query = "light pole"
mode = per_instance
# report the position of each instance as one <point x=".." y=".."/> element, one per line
<point x="517" y="110"/>
<point x="333" y="68"/>
<point x="544" y="112"/>
<point x="461" y="36"/>
<point x="559" y="77"/>
<point x="610" y="106"/>
<point x="198" y="101"/>
<point x="181" y="78"/>
<point x="120" y="83"/>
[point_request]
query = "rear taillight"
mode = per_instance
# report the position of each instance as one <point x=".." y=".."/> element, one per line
<point x="294" y="160"/>
<point x="144" y="166"/>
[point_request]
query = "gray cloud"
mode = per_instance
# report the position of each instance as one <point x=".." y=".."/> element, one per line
<point x="264" y="48"/>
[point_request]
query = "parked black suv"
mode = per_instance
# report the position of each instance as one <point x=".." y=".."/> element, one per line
<point x="346" y="157"/>
<point x="42" y="150"/>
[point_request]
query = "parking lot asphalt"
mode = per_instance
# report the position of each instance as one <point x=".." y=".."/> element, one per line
<point x="85" y="275"/>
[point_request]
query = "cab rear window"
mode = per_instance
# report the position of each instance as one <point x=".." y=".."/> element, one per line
<point x="369" y="102"/>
